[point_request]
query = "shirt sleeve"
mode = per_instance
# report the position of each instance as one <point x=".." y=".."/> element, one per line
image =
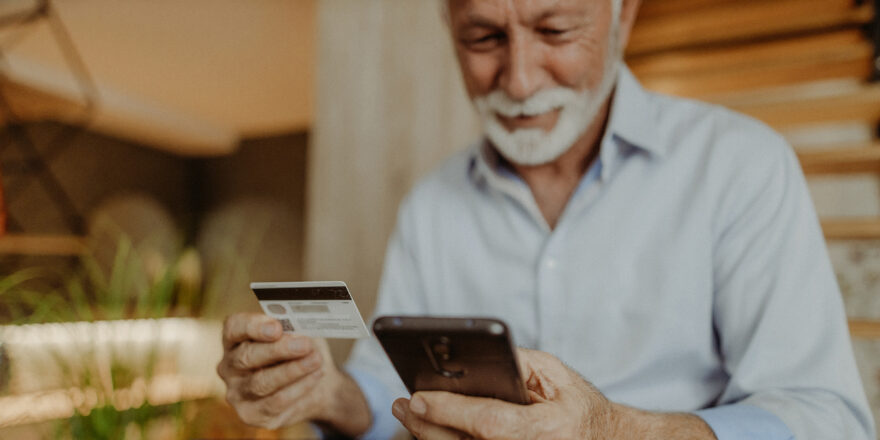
<point x="744" y="422"/>
<point x="384" y="425"/>
<point x="778" y="313"/>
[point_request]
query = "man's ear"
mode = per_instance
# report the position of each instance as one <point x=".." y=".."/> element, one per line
<point x="628" y="12"/>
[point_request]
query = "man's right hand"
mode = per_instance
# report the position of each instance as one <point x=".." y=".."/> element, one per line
<point x="275" y="379"/>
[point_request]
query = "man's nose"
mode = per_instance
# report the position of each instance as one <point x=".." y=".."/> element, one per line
<point x="523" y="72"/>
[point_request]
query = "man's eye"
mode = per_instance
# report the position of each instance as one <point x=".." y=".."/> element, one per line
<point x="484" y="41"/>
<point x="552" y="32"/>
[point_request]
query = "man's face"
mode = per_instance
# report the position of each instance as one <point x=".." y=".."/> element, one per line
<point x="537" y="70"/>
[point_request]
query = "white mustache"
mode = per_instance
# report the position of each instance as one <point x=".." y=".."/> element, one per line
<point x="541" y="102"/>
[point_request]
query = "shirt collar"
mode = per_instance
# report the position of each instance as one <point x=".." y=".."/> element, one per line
<point x="631" y="125"/>
<point x="631" y="117"/>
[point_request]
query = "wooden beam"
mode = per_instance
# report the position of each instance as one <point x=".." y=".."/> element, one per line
<point x="37" y="93"/>
<point x="54" y="245"/>
<point x="743" y="21"/>
<point x="792" y="106"/>
<point x="864" y="329"/>
<point x="702" y="71"/>
<point x="848" y="160"/>
<point x="851" y="229"/>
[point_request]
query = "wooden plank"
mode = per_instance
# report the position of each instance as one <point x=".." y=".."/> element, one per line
<point x="864" y="329"/>
<point x="851" y="229"/>
<point x="757" y="77"/>
<point x="702" y="71"/>
<point x="653" y="8"/>
<point x="865" y="159"/>
<point x="836" y="45"/>
<point x="788" y="107"/>
<point x="55" y="245"/>
<point x="744" y="21"/>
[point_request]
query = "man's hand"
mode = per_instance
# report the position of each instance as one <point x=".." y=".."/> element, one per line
<point x="564" y="406"/>
<point x="274" y="379"/>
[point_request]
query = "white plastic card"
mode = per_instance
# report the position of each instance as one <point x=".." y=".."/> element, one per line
<point x="322" y="309"/>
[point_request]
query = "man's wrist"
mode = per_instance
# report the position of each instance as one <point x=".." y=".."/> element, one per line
<point x="346" y="410"/>
<point x="628" y="423"/>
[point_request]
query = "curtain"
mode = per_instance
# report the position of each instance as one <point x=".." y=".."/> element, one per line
<point x="389" y="107"/>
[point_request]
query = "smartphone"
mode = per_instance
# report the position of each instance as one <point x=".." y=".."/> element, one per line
<point x="471" y="356"/>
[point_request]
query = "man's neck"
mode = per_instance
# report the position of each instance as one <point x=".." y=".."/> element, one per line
<point x="552" y="184"/>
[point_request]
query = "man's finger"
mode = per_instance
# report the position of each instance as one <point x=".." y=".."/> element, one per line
<point x="533" y="361"/>
<point x="268" y="380"/>
<point x="534" y="368"/>
<point x="241" y="327"/>
<point x="276" y="410"/>
<point x="419" y="427"/>
<point x="296" y="398"/>
<point x="477" y="416"/>
<point x="251" y="355"/>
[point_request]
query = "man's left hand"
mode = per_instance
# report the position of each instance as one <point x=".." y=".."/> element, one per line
<point x="564" y="405"/>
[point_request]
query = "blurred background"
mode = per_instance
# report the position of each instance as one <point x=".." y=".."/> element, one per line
<point x="157" y="156"/>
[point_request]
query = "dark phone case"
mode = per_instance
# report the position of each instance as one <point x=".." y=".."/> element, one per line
<point x="471" y="356"/>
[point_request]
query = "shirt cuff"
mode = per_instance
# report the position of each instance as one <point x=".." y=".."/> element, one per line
<point x="384" y="424"/>
<point x="743" y="421"/>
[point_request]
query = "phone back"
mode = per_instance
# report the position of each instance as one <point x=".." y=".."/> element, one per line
<point x="471" y="356"/>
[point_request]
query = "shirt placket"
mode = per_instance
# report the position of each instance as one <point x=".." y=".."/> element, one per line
<point x="553" y="268"/>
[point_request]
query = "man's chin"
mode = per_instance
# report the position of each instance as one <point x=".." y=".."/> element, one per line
<point x="531" y="152"/>
<point x="531" y="146"/>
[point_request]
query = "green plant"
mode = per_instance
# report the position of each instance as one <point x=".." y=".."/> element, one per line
<point x="135" y="282"/>
<point x="107" y="422"/>
<point x="90" y="293"/>
<point x="128" y="289"/>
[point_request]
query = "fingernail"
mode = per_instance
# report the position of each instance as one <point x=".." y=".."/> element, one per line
<point x="297" y="345"/>
<point x="269" y="330"/>
<point x="417" y="405"/>
<point x="397" y="410"/>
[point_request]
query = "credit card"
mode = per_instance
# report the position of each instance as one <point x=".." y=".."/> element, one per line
<point x="321" y="309"/>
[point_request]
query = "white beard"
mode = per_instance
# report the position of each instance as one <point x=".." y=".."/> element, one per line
<point x="578" y="110"/>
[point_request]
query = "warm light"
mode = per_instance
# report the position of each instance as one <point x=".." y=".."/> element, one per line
<point x="48" y="363"/>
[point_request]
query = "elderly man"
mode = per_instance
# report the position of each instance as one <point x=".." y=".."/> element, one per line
<point x="665" y="250"/>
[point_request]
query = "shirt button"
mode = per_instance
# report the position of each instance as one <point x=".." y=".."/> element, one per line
<point x="550" y="263"/>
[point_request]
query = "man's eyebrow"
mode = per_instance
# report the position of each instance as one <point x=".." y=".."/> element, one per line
<point x="479" y="20"/>
<point x="475" y="19"/>
<point x="552" y="13"/>
<point x="545" y="15"/>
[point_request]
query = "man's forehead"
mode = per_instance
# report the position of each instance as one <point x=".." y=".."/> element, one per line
<point x="522" y="10"/>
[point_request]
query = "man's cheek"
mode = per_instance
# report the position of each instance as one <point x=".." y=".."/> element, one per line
<point x="479" y="73"/>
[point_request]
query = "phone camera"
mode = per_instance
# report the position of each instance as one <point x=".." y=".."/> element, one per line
<point x="496" y="328"/>
<point x="441" y="351"/>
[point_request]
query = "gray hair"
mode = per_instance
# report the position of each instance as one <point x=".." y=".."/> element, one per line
<point x="616" y="6"/>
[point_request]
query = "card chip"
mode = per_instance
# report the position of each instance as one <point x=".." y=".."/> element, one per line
<point x="286" y="325"/>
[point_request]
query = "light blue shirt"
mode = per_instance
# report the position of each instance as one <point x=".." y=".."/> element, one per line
<point x="687" y="273"/>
